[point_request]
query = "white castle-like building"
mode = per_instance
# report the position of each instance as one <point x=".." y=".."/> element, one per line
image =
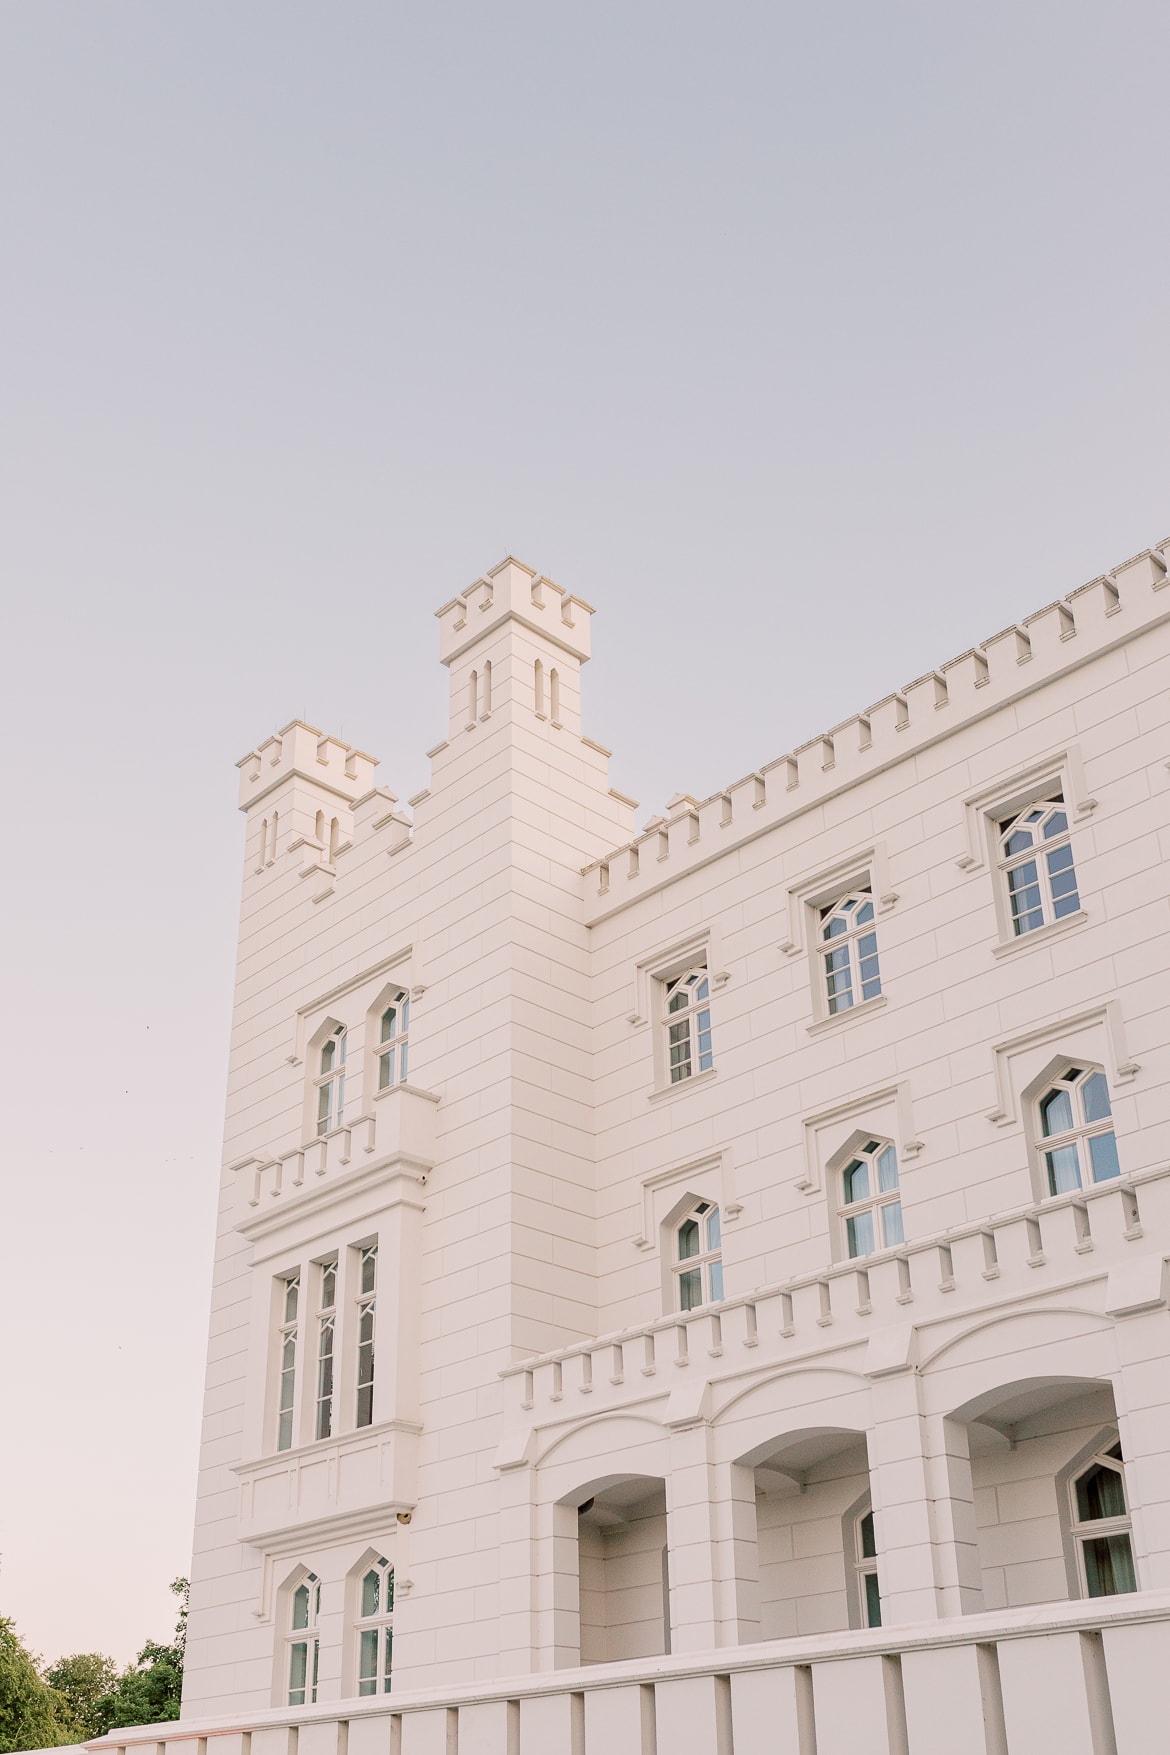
<point x="701" y="1289"/>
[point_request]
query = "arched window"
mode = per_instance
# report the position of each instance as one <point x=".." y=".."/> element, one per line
<point x="1076" y="1126"/>
<point x="849" y="953"/>
<point x="392" y="1042"/>
<point x="698" y="1262"/>
<point x="538" y="688"/>
<point x="290" y="1294"/>
<point x="331" y="1082"/>
<point x="865" y="1565"/>
<point x="688" y="1025"/>
<point x="1036" y="860"/>
<point x="472" y="699"/>
<point x="1101" y="1526"/>
<point x="375" y="1628"/>
<point x="487" y="687"/>
<point x="319" y="828"/>
<point x="334" y="838"/>
<point x="303" y="1640"/>
<point x="554" y="696"/>
<point x="871" y="1207"/>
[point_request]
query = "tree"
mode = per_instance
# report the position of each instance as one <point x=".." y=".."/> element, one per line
<point x="83" y="1679"/>
<point x="32" y="1714"/>
<point x="150" y="1689"/>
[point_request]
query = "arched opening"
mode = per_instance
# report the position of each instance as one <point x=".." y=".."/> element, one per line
<point x="1049" y="1490"/>
<point x="818" y="1554"/>
<point x="623" y="1572"/>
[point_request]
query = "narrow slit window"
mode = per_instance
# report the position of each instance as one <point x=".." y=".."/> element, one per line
<point x="366" y="1311"/>
<point x="331" y="1082"/>
<point x="538" y="687"/>
<point x="393" y="1041"/>
<point x="326" y="1339"/>
<point x="290" y="1293"/>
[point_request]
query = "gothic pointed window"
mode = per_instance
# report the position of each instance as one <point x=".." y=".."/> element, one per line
<point x="1035" y="858"/>
<point x="866" y="1570"/>
<point x="687" y="1022"/>
<point x="870" y="1208"/>
<point x="289" y="1292"/>
<point x="1101" y="1526"/>
<point x="393" y="1029"/>
<point x="326" y="1342"/>
<point x="698" y="1257"/>
<point x="848" y="951"/>
<point x="375" y="1628"/>
<point x="303" y="1641"/>
<point x="1076" y="1127"/>
<point x="331" y="1082"/>
<point x="366" y="1311"/>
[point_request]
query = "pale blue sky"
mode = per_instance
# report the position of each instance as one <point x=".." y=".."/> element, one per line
<point x="810" y="344"/>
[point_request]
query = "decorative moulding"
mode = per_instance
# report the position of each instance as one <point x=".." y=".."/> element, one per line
<point x="819" y="888"/>
<point x="835" y="1121"/>
<point x="717" y="1167"/>
<point x="1015" y="790"/>
<point x="403" y="955"/>
<point x="668" y="961"/>
<point x="1061" y="1033"/>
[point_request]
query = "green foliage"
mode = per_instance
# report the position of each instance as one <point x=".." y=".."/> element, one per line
<point x="84" y="1695"/>
<point x="32" y="1714"/>
<point x="150" y="1689"/>
<point x="84" y="1679"/>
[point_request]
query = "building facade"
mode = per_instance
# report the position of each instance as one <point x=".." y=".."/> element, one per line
<point x="702" y="1287"/>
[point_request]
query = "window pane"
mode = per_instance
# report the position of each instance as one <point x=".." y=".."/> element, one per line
<point x="368" y="1661"/>
<point x="298" y="1669"/>
<point x="1100" y="1493"/>
<point x="716" y="1272"/>
<point x="1109" y="1570"/>
<point x="690" y="1290"/>
<point x="1063" y="1172"/>
<point x="291" y="1292"/>
<point x="688" y="1240"/>
<point x="873" y="1601"/>
<point x="328" y="1285"/>
<point x="1095" y="1096"/>
<point x="371" y="1585"/>
<point x="1103" y="1156"/>
<point x="888" y="1170"/>
<point x="713" y="1229"/>
<point x="1024" y="894"/>
<point x="300" y="1606"/>
<point x="327" y="1053"/>
<point x="1056" y="1114"/>
<point x="324" y="1101"/>
<point x="892" y="1223"/>
<point x="389" y="1023"/>
<point x="340" y="1082"/>
<point x="859" y="1234"/>
<point x="1057" y="824"/>
<point x="402" y="1065"/>
<point x="369" y="1268"/>
<point x="390" y="1590"/>
<point x="704" y="1023"/>
<point x="838" y="980"/>
<point x="871" y="984"/>
<point x="866" y="1537"/>
<point x="857" y="1181"/>
<point x="1018" y="842"/>
<point x="385" y="1069"/>
<point x="389" y="1659"/>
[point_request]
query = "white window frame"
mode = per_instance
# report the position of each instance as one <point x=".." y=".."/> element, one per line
<point x="391" y="1049"/>
<point x="308" y="1635"/>
<point x="852" y="945"/>
<point x="684" y="1029"/>
<point x="1083" y="1531"/>
<point x="1078" y="1137"/>
<point x="706" y="1262"/>
<point x="865" y="1567"/>
<point x="365" y="1335"/>
<point x="380" y="1623"/>
<point x="875" y="1204"/>
<point x="325" y="1399"/>
<point x="289" y="1289"/>
<point x="1053" y="909"/>
<point x="329" y="1082"/>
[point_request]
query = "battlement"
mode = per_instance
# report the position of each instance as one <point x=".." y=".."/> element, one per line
<point x="511" y="590"/>
<point x="1095" y="617"/>
<point x="305" y="751"/>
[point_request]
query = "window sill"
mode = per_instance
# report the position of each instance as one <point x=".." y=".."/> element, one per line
<point x="683" y="1085"/>
<point x="847" y="1017"/>
<point x="1039" y="934"/>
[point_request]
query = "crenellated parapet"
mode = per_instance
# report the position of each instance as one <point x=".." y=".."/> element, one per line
<point x="513" y="591"/>
<point x="302" y="750"/>
<point x="1104" y="613"/>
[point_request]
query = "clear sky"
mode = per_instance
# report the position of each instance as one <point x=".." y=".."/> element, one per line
<point x="811" y="344"/>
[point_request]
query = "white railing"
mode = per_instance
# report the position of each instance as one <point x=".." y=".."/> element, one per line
<point x="1078" y="1678"/>
<point x="1004" y="1257"/>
